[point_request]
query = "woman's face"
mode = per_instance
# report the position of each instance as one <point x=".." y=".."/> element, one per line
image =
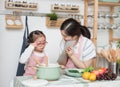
<point x="41" y="42"/>
<point x="66" y="37"/>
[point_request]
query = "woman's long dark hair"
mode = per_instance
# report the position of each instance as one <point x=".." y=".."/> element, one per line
<point x="72" y="28"/>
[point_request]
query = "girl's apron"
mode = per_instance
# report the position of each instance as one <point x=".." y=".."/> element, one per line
<point x="70" y="63"/>
<point x="29" y="69"/>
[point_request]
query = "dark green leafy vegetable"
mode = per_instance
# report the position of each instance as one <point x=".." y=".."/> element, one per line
<point x="74" y="71"/>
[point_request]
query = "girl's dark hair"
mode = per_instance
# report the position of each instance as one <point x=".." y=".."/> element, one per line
<point x="34" y="35"/>
<point x="72" y="28"/>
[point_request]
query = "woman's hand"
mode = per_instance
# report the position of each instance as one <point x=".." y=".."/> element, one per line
<point x="69" y="51"/>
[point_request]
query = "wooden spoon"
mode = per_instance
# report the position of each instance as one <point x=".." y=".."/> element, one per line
<point x="109" y="55"/>
<point x="118" y="54"/>
<point x="104" y="54"/>
<point x="111" y="51"/>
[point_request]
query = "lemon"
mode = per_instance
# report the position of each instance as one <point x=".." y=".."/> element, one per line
<point x="92" y="77"/>
<point x="86" y="75"/>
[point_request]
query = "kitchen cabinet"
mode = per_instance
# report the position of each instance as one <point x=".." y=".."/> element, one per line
<point x="96" y="4"/>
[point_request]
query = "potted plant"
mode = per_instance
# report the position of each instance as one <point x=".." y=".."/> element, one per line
<point x="51" y="20"/>
<point x="52" y="16"/>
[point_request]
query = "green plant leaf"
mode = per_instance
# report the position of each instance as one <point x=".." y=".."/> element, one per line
<point x="53" y="16"/>
<point x="89" y="69"/>
<point x="118" y="44"/>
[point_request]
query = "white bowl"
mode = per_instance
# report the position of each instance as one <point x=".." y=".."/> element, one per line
<point x="34" y="83"/>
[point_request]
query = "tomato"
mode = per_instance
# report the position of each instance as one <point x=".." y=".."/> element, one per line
<point x="102" y="70"/>
<point x="99" y="71"/>
<point x="95" y="72"/>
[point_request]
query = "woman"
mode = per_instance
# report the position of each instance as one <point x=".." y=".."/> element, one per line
<point x="77" y="50"/>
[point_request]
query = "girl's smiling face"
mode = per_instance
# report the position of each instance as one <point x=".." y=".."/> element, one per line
<point x="41" y="43"/>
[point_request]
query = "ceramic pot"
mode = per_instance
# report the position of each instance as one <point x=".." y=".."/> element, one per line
<point x="51" y="72"/>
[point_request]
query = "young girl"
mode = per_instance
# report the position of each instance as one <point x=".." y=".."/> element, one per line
<point x="34" y="54"/>
<point x="77" y="50"/>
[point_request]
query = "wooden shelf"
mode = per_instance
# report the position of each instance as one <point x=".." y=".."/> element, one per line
<point x="54" y="23"/>
<point x="73" y="9"/>
<point x="115" y="39"/>
<point x="21" y="6"/>
<point x="13" y="22"/>
<point x="105" y="3"/>
<point x="96" y="4"/>
<point x="59" y="21"/>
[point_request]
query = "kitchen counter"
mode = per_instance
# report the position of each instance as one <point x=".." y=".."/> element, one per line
<point x="66" y="81"/>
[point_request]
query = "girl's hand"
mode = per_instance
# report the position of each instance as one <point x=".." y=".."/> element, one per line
<point x="37" y="61"/>
<point x="62" y="66"/>
<point x="69" y="51"/>
<point x="35" y="43"/>
<point x="46" y="61"/>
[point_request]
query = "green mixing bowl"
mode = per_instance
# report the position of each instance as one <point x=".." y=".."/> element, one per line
<point x="52" y="72"/>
